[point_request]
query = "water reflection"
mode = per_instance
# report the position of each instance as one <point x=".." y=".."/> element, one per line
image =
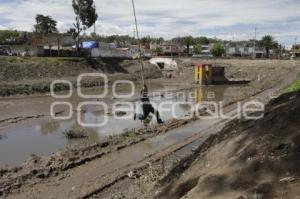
<point x="44" y="137"/>
<point x="49" y="128"/>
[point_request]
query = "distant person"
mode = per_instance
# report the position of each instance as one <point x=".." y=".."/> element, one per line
<point x="147" y="107"/>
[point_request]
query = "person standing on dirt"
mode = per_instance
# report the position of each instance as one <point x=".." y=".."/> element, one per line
<point x="147" y="107"/>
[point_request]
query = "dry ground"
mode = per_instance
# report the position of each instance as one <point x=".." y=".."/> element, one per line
<point x="248" y="159"/>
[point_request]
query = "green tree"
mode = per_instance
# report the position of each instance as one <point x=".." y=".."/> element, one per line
<point x="75" y="34"/>
<point x="8" y="36"/>
<point x="187" y="41"/>
<point x="176" y="40"/>
<point x="202" y="40"/>
<point x="160" y="40"/>
<point x="198" y="49"/>
<point x="218" y="49"/>
<point x="268" y="43"/>
<point x="45" y="24"/>
<point x="146" y="40"/>
<point x="86" y="17"/>
<point x="158" y="51"/>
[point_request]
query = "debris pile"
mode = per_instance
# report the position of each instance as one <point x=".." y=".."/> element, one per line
<point x="75" y="134"/>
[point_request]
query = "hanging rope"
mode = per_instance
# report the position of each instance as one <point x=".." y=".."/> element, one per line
<point x="139" y="45"/>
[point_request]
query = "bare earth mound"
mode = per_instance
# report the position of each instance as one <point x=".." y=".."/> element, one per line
<point x="33" y="75"/>
<point x="248" y="159"/>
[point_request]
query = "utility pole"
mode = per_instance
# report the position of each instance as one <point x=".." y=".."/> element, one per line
<point x="280" y="51"/>
<point x="295" y="47"/>
<point x="254" y="45"/>
<point x="95" y="15"/>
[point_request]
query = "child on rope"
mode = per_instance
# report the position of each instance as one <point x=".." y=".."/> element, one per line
<point x="147" y="107"/>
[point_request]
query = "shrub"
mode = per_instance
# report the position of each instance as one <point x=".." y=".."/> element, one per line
<point x="218" y="49"/>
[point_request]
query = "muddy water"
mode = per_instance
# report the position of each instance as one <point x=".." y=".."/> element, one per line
<point x="27" y="128"/>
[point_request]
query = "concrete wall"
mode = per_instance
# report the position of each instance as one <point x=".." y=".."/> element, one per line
<point x="97" y="52"/>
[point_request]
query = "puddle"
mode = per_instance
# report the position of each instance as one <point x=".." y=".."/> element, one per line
<point x="44" y="135"/>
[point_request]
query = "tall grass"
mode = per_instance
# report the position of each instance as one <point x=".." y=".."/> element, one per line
<point x="294" y="87"/>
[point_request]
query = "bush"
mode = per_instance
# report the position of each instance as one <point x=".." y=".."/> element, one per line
<point x="218" y="49"/>
<point x="294" y="87"/>
<point x="75" y="134"/>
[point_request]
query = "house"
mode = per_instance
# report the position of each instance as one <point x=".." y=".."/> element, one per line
<point x="243" y="49"/>
<point x="19" y="46"/>
<point x="50" y="45"/>
<point x="154" y="46"/>
<point x="295" y="51"/>
<point x="206" y="48"/>
<point x="191" y="50"/>
<point x="170" y="49"/>
<point x="259" y="53"/>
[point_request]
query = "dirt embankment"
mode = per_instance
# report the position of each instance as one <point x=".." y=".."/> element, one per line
<point x="30" y="75"/>
<point x="263" y="74"/>
<point x="248" y="159"/>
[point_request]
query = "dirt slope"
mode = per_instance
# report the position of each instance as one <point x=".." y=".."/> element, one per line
<point x="33" y="68"/>
<point x="31" y="75"/>
<point x="248" y="159"/>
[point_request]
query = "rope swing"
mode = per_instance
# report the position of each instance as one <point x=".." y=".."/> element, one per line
<point x="139" y="44"/>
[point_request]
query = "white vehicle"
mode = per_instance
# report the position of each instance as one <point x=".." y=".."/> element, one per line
<point x="204" y="55"/>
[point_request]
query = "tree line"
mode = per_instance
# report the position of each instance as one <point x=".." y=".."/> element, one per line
<point x="86" y="16"/>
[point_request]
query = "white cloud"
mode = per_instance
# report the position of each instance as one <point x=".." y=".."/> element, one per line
<point x="168" y="18"/>
<point x="2" y="27"/>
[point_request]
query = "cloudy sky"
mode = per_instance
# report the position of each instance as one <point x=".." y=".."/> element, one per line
<point x="225" y="19"/>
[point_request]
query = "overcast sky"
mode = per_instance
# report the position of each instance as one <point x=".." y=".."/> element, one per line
<point x="225" y="19"/>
